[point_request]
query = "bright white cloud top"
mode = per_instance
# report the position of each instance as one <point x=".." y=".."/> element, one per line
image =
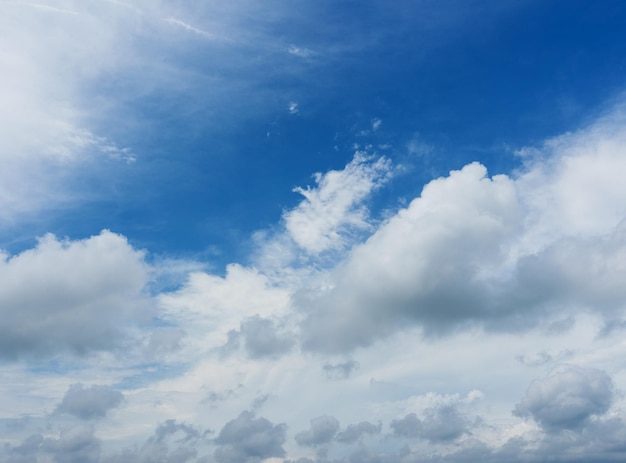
<point x="166" y="297"/>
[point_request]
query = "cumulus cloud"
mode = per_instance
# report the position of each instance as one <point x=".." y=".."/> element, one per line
<point x="89" y="402"/>
<point x="443" y="423"/>
<point x="76" y="444"/>
<point x="70" y="295"/>
<point x="322" y="431"/>
<point x="499" y="251"/>
<point x="247" y="439"/>
<point x="421" y="265"/>
<point x="567" y="398"/>
<point x="332" y="210"/>
<point x="355" y="432"/>
<point x="409" y="426"/>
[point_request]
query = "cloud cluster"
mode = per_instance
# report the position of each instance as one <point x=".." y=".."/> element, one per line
<point x="499" y="251"/>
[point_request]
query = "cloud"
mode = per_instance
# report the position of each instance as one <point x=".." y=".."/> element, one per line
<point x="171" y="442"/>
<point x="299" y="51"/>
<point x="242" y="307"/>
<point x="354" y="432"/>
<point x="332" y="210"/>
<point x="74" y="445"/>
<point x="188" y="27"/>
<point x="567" y="398"/>
<point x="323" y="430"/>
<point x="71" y="295"/>
<point x="247" y="440"/>
<point x="27" y="451"/>
<point x="261" y="338"/>
<point x="409" y="426"/>
<point x="49" y="55"/>
<point x="340" y="370"/>
<point x="89" y="402"/>
<point x="420" y="266"/>
<point x="500" y="252"/>
<point x="442" y="423"/>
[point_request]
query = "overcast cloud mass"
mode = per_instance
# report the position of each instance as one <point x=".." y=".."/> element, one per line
<point x="312" y="232"/>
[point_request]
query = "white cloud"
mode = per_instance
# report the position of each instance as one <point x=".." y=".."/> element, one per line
<point x="217" y="305"/>
<point x="71" y="295"/>
<point x="421" y="264"/>
<point x="299" y="51"/>
<point x="333" y="209"/>
<point x="500" y="251"/>
<point x="188" y="27"/>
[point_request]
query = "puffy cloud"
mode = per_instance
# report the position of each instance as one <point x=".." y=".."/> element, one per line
<point x="409" y="426"/>
<point x="77" y="444"/>
<point x="70" y="295"/>
<point x="323" y="430"/>
<point x="89" y="402"/>
<point x="354" y="432"/>
<point x="247" y="439"/>
<point x="333" y="208"/>
<point x="421" y="265"/>
<point x="499" y="251"/>
<point x="567" y="398"/>
<point x="443" y="423"/>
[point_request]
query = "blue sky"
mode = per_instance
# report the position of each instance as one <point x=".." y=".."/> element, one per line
<point x="305" y="231"/>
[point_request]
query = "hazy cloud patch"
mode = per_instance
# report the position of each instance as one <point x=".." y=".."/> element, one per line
<point x="89" y="402"/>
<point x="340" y="370"/>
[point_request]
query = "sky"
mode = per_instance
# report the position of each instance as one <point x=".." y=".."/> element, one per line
<point x="299" y="231"/>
